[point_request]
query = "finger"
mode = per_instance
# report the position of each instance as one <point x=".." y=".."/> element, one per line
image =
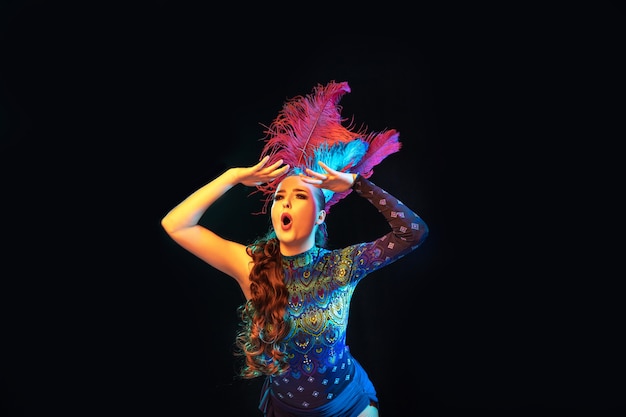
<point x="325" y="167"/>
<point x="261" y="163"/>
<point x="280" y="170"/>
<point x="312" y="181"/>
<point x="315" y="174"/>
<point x="274" y="166"/>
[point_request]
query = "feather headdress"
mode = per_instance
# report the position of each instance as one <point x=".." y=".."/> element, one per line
<point x="311" y="128"/>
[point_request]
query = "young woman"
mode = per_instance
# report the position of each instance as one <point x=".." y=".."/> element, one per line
<point x="298" y="292"/>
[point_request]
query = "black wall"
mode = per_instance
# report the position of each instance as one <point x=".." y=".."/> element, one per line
<point x="111" y="114"/>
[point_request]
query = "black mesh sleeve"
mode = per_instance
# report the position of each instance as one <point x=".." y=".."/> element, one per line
<point x="408" y="230"/>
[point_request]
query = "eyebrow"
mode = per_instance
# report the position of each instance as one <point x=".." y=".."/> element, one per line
<point x="295" y="190"/>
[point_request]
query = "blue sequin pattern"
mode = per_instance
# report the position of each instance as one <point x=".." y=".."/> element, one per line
<point x="321" y="283"/>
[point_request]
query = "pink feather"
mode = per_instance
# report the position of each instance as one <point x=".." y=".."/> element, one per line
<point x="306" y="122"/>
<point x="381" y="146"/>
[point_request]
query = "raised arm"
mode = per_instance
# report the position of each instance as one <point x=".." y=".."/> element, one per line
<point x="181" y="223"/>
<point x="408" y="230"/>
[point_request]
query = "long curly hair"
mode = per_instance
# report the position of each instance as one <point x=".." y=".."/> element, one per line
<point x="264" y="324"/>
<point x="307" y="130"/>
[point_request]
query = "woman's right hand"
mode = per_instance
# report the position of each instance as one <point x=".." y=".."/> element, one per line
<point x="259" y="174"/>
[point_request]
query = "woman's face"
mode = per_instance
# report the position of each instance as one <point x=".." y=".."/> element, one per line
<point x="295" y="215"/>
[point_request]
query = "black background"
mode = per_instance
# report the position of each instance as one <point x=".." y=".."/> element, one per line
<point x="113" y="113"/>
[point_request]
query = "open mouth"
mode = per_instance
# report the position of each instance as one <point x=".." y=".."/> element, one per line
<point x="285" y="220"/>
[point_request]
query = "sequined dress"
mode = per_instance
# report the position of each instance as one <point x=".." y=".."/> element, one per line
<point x="320" y="284"/>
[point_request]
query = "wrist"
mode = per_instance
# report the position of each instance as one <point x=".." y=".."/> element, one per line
<point x="354" y="177"/>
<point x="232" y="176"/>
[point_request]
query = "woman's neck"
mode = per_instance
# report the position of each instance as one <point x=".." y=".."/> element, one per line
<point x="295" y="249"/>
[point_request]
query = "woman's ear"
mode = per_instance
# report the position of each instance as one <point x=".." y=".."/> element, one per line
<point x="321" y="216"/>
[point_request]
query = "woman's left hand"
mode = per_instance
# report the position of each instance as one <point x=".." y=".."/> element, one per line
<point x="332" y="180"/>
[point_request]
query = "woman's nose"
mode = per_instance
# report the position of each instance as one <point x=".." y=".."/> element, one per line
<point x="286" y="203"/>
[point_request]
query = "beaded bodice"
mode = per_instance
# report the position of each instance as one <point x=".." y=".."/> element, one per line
<point x="320" y="283"/>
